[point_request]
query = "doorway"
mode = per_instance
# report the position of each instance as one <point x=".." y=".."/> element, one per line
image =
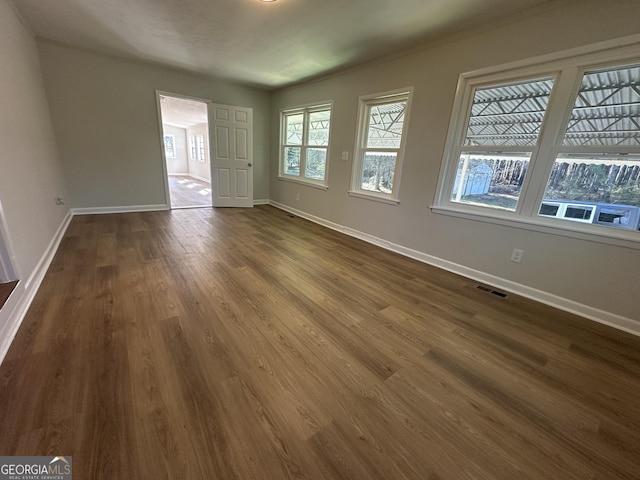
<point x="185" y="133"/>
<point x="8" y="275"/>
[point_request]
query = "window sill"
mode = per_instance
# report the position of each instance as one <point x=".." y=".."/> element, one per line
<point x="374" y="197"/>
<point x="591" y="233"/>
<point x="308" y="183"/>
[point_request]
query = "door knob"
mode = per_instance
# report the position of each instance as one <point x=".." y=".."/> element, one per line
<point x="250" y="165"/>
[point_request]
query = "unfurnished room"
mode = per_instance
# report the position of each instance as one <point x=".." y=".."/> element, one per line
<point x="251" y="239"/>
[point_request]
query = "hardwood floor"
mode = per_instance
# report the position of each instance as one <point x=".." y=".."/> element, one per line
<point x="187" y="191"/>
<point x="249" y="344"/>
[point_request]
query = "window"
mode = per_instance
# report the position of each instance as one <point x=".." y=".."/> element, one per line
<point x="556" y="144"/>
<point x="379" y="147"/>
<point x="201" y="151"/>
<point x="502" y="133"/>
<point x="192" y="148"/>
<point x="597" y="161"/>
<point x="305" y="143"/>
<point x="170" y="146"/>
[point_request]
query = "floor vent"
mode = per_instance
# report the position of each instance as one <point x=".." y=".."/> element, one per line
<point x="492" y="291"/>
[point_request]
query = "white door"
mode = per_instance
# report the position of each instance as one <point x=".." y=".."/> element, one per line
<point x="231" y="155"/>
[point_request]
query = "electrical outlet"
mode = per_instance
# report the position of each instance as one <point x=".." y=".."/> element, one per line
<point x="345" y="155"/>
<point x="516" y="255"/>
<point x="297" y="196"/>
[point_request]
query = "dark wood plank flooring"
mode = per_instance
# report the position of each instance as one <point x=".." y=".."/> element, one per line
<point x="249" y="344"/>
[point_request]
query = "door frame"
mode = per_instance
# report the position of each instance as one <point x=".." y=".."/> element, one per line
<point x="8" y="271"/>
<point x="165" y="172"/>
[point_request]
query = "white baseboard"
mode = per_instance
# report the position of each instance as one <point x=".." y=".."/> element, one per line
<point x="124" y="209"/>
<point x="611" y="319"/>
<point x="261" y="202"/>
<point x="16" y="307"/>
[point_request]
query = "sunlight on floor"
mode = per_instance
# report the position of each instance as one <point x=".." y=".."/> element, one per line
<point x="189" y="192"/>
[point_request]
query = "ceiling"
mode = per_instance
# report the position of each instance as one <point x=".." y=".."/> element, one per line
<point x="269" y="45"/>
<point x="181" y="112"/>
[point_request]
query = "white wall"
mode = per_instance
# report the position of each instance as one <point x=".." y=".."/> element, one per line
<point x="180" y="164"/>
<point x="198" y="169"/>
<point x="105" y="117"/>
<point x="593" y="274"/>
<point x="30" y="172"/>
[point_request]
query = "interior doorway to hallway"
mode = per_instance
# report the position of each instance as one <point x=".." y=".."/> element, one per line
<point x="8" y="277"/>
<point x="185" y="131"/>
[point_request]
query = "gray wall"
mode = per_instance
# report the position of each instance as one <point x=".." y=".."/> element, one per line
<point x="594" y="274"/>
<point x="105" y="117"/>
<point x="30" y="171"/>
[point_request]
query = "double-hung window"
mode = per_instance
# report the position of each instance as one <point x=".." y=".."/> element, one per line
<point x="201" y="150"/>
<point x="595" y="177"/>
<point x="170" y="146"/>
<point x="502" y="132"/>
<point x="192" y="148"/>
<point x="304" y="144"/>
<point x="556" y="144"/>
<point x="379" y="151"/>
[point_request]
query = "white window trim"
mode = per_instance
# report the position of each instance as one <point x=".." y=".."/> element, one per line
<point x="301" y="179"/>
<point x="567" y="67"/>
<point x="361" y="134"/>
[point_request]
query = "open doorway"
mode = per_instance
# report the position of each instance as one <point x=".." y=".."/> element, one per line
<point x="8" y="275"/>
<point x="185" y="130"/>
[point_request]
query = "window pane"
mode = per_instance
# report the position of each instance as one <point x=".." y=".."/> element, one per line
<point x="508" y="115"/>
<point x="606" y="185"/>
<point x="607" y="109"/>
<point x="201" y="151"/>
<point x="294" y="129"/>
<point x="169" y="146"/>
<point x="385" y="125"/>
<point x="319" y="127"/>
<point x="316" y="163"/>
<point x="292" y="160"/>
<point x="377" y="171"/>
<point x="490" y="179"/>
<point x="192" y="147"/>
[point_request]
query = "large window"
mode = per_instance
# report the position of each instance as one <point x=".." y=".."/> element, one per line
<point x="380" y="143"/>
<point x="595" y="177"/>
<point x="560" y="147"/>
<point x="502" y="132"/>
<point x="304" y="148"/>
